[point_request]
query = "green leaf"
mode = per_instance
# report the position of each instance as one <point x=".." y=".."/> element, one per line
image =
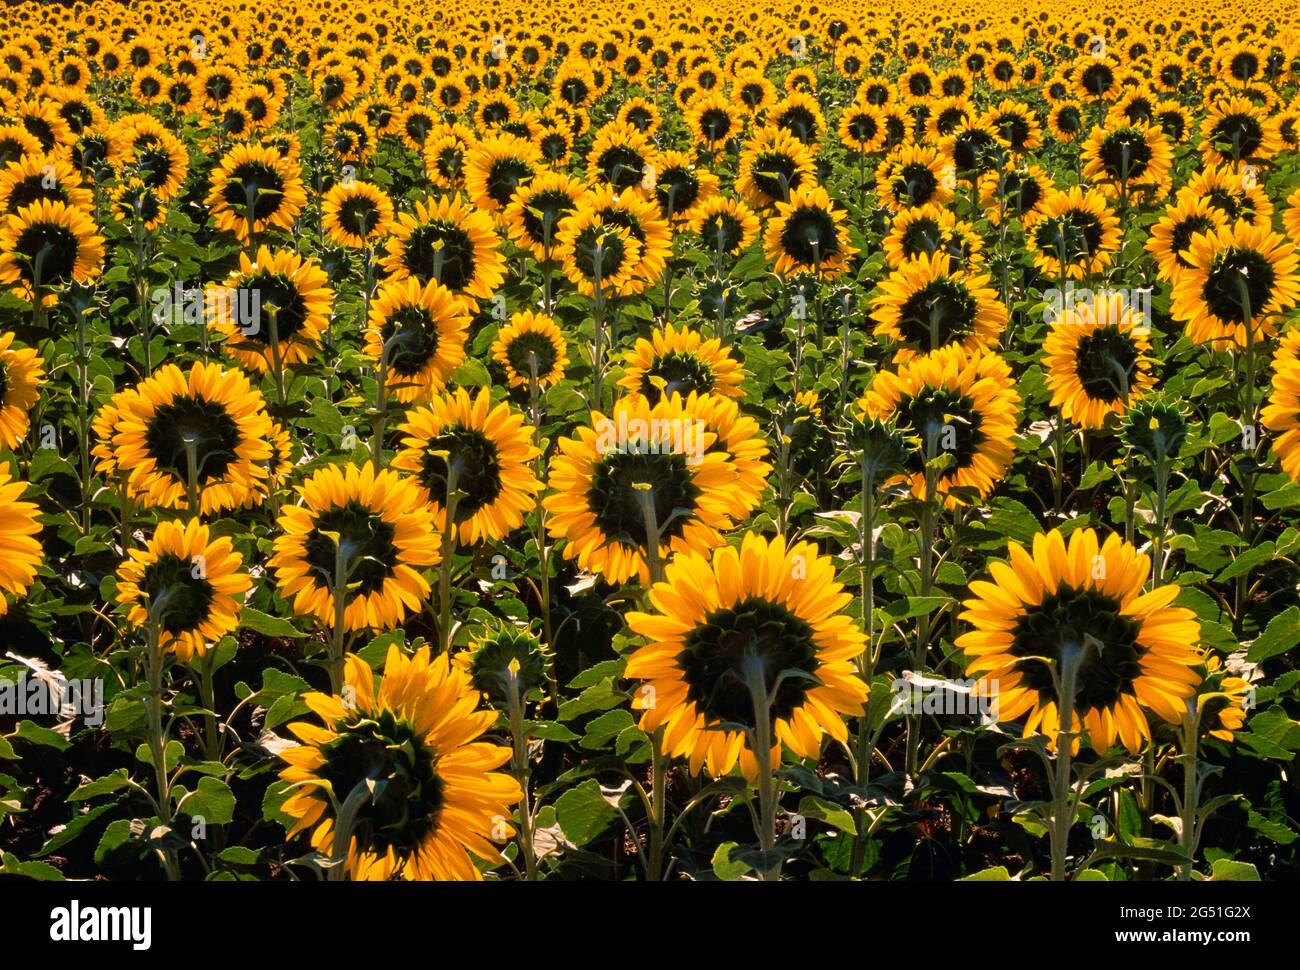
<point x="583" y="812"/>
<point x="101" y="786"/>
<point x="724" y="866"/>
<point x="1282" y="633"/>
<point x="212" y="800"/>
<point x="833" y="815"/>
<point x="34" y="733"/>
<point x="11" y="865"/>
<point x="1229" y="870"/>
<point x="995" y="874"/>
<point x="271" y="626"/>
<point x="74" y="828"/>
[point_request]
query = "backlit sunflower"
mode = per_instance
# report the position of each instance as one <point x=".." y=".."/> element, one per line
<point x="681" y="185"/>
<point x="641" y="217"/>
<point x="712" y="121"/>
<point x="444" y="153"/>
<point x="420" y="330"/>
<point x="48" y="245"/>
<point x="500" y="653"/>
<point x="534" y="215"/>
<point x="256" y="185"/>
<point x="929" y="302"/>
<point x="724" y="226"/>
<point x="1130" y="158"/>
<point x="1236" y="132"/>
<point x="1074" y="234"/>
<point x="497" y="167"/>
<point x="485" y="449"/>
<point x="1084" y="599"/>
<point x="212" y="413"/>
<point x="680" y="361"/>
<point x="914" y="175"/>
<point x="1098" y="359"/>
<point x="135" y="203"/>
<point x="930" y="229"/>
<point x="1172" y="234"/>
<point x="956" y="402"/>
<point x="373" y="523"/>
<point x="531" y="347"/>
<point x="861" y="129"/>
<point x="281" y="294"/>
<point x="598" y="254"/>
<point x="1222" y="702"/>
<point x="1238" y="275"/>
<point x="1237" y="195"/>
<point x="661" y="458"/>
<point x="20" y="549"/>
<point x="808" y="235"/>
<point x="143" y="147"/>
<point x="773" y="164"/>
<point x="187" y="582"/>
<point x="356" y="214"/>
<point x="723" y="621"/>
<point x="450" y="242"/>
<point x="22" y="372"/>
<point x="413" y="742"/>
<point x="1282" y="413"/>
<point x="34" y="178"/>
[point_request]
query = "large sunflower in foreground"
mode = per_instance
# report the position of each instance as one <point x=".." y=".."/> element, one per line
<point x="808" y="235"/>
<point x="756" y="613"/>
<point x="1098" y="359"/>
<point x="381" y="530"/>
<point x="951" y="401"/>
<point x="421" y="328"/>
<point x="680" y="361"/>
<point x="436" y="798"/>
<point x="189" y="581"/>
<point x="20" y="550"/>
<point x="255" y="184"/>
<point x="1138" y="651"/>
<point x="46" y="245"/>
<point x="450" y="242"/>
<point x="212" y="412"/>
<point x="356" y="214"/>
<point x="1073" y="234"/>
<point x="487" y="447"/>
<point x="22" y="372"/>
<point x="1237" y="274"/>
<point x="281" y="288"/>
<point x="1188" y="215"/>
<point x="531" y="347"/>
<point x="930" y="302"/>
<point x="598" y="478"/>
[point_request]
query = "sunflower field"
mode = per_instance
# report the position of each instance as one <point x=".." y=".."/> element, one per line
<point x="650" y="440"/>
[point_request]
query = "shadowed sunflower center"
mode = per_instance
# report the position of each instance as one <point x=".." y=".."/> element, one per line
<point x="366" y="541"/>
<point x="1014" y="128"/>
<point x="1237" y="135"/>
<point x="863" y="127"/>
<point x="277" y="294"/>
<point x="1098" y="78"/>
<point x="154" y="166"/>
<point x="715" y="124"/>
<point x="922" y="236"/>
<point x="681" y="373"/>
<point x="1106" y="362"/>
<point x="1068" y="616"/>
<point x="207" y="423"/>
<point x="599" y="252"/>
<point x="615" y="500"/>
<point x="479" y="469"/>
<point x="1239" y="284"/>
<point x="32" y="189"/>
<point x="722" y="232"/>
<point x="440" y="251"/>
<point x="49" y="251"/>
<point x="535" y="345"/>
<point x="929" y="414"/>
<point x="450" y="161"/>
<point x="181" y="600"/>
<point x="409" y="804"/>
<point x="416" y="343"/>
<point x="359" y="215"/>
<point x="622" y="166"/>
<point x="677" y="190"/>
<point x="543" y="213"/>
<point x="1181" y="235"/>
<point x="937" y="314"/>
<point x="1125" y="154"/>
<point x="265" y="184"/>
<point x="915" y="183"/>
<point x="809" y="235"/>
<point x="799" y="121"/>
<point x="639" y="118"/>
<point x="504" y="178"/>
<point x="1076" y="234"/>
<point x="717" y="650"/>
<point x="776" y="174"/>
<point x="4" y="380"/>
<point x="1229" y="204"/>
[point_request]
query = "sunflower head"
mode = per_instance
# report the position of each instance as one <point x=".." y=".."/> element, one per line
<point x="531" y="348"/>
<point x="506" y="664"/>
<point x="1155" y="428"/>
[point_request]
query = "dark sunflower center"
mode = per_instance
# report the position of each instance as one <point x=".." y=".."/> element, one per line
<point x="366" y="541"/>
<point x="4" y="380"/>
<point x="1105" y="362"/>
<point x="180" y="598"/>
<point x="809" y="236"/>
<point x="1076" y="234"/>
<point x="441" y="251"/>
<point x="930" y="413"/>
<point x="718" y="651"/>
<point x="948" y="119"/>
<point x="922" y="236"/>
<point x="621" y="166"/>
<point x="416" y="343"/>
<point x="262" y="184"/>
<point x="505" y="177"/>
<point x="937" y="314"/>
<point x="863" y="127"/>
<point x="478" y="477"/>
<point x="776" y="175"/>
<point x="681" y="374"/>
<point x="1098" y="79"/>
<point x="1069" y="120"/>
<point x="715" y="124"/>
<point x="359" y="215"/>
<point x="1069" y="616"/>
<point x="1239" y="284"/>
<point x="973" y="150"/>
<point x="1014" y="128"/>
<point x="599" y="249"/>
<point x="529" y="346"/>
<point x="409" y="805"/>
<point x="800" y="122"/>
<point x="278" y="294"/>
<point x="50" y="252"/>
<point x="1237" y="135"/>
<point x="450" y="161"/>
<point x="677" y="190"/>
<point x="1181" y="235"/>
<point x="207" y="424"/>
<point x="722" y="232"/>
<point x="616" y="502"/>
<point x="1125" y="154"/>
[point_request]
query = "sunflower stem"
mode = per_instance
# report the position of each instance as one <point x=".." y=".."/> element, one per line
<point x="658" y="790"/>
<point x="277" y="367"/>
<point x="519" y="768"/>
<point x="754" y="671"/>
<point x="338" y="632"/>
<point x="1067" y="680"/>
<point x="1189" y="742"/>
<point x="645" y="496"/>
<point x="154" y="663"/>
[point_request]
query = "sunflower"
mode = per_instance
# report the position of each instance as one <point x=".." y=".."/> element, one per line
<point x="1128" y="158"/>
<point x="1282" y="413"/>
<point x="47" y="245"/>
<point x="737" y="435"/>
<point x="1172" y="234"/>
<point x="1098" y="359"/>
<point x="34" y="178"/>
<point x="1014" y="193"/>
<point x="724" y="226"/>
<point x="279" y="294"/>
<point x="22" y="372"/>
<point x="680" y="186"/>
<point x="598" y="254"/>
<point x="537" y="209"/>
<point x="1291" y="217"/>
<point x="420" y="331"/>
<point x="212" y="413"/>
<point x="1066" y="121"/>
<point x="808" y="235"/>
<point x="187" y="582"/>
<point x="640" y="114"/>
<point x="599" y="477"/>
<point x="484" y="449"/>
<point x="356" y="214"/>
<point x="1134" y="649"/>
<point x="915" y="175"/>
<point x="620" y="157"/>
<point x="1077" y="226"/>
<point x="930" y="229"/>
<point x="1236" y="132"/>
<point x="642" y="220"/>
<point x="501" y="653"/>
<point x="1015" y="125"/>
<point x="449" y="242"/>
<point x="444" y="154"/>
<point x="1222" y="707"/>
<point x="740" y="617"/>
<point x="20" y="549"/>
<point x="413" y="743"/>
<point x="773" y="164"/>
<point x="712" y="121"/>
<point x="497" y="167"/>
<point x="1238" y="275"/>
<point x="681" y="361"/>
<point x="143" y="147"/>
<point x="801" y="115"/>
<point x="377" y="526"/>
<point x="531" y="347"/>
<point x="255" y="184"/>
<point x="861" y="129"/>
<point x="1237" y="195"/>
<point x="929" y="303"/>
<point x="951" y="401"/>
